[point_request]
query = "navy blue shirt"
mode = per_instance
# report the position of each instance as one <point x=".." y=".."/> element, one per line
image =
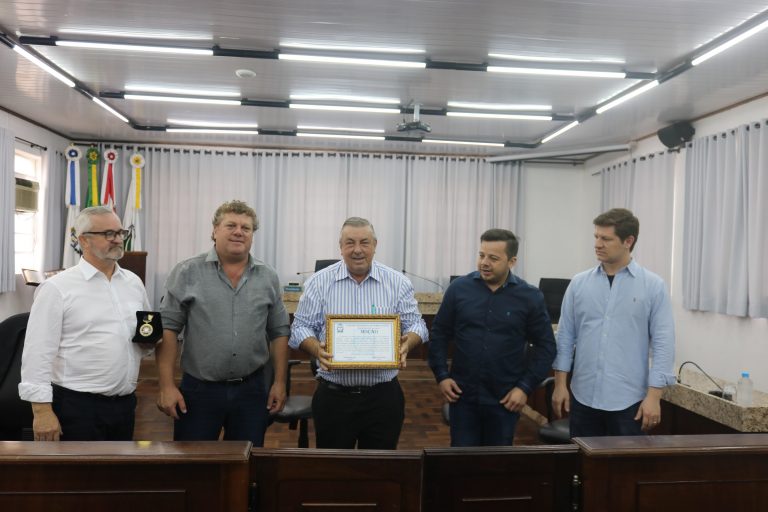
<point x="490" y="331"/>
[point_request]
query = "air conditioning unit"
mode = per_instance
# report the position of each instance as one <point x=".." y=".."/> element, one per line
<point x="26" y="195"/>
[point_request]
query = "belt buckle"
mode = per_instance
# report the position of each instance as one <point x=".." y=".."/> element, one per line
<point x="238" y="380"/>
<point x="356" y="390"/>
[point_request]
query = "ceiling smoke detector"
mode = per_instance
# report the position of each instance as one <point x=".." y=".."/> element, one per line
<point x="416" y="125"/>
<point x="245" y="73"/>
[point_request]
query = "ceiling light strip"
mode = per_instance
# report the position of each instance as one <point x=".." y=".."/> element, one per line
<point x="559" y="132"/>
<point x="554" y="59"/>
<point x="565" y="152"/>
<point x="345" y="97"/>
<point x="464" y="142"/>
<point x="490" y="115"/>
<point x="631" y="94"/>
<point x="181" y="99"/>
<point x="135" y="47"/>
<point x="180" y="91"/>
<point x="557" y="72"/>
<point x="345" y="108"/>
<point x="110" y="109"/>
<point x="352" y="60"/>
<point x="730" y="42"/>
<point x="339" y="136"/>
<point x="498" y="106"/>
<point x="339" y="129"/>
<point x="362" y="49"/>
<point x="210" y="124"/>
<point x="44" y="66"/>
<point x="212" y="130"/>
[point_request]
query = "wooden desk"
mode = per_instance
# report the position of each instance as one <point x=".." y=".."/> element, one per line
<point x="675" y="473"/>
<point x="299" y="479"/>
<point x="524" y="478"/>
<point x="124" y="476"/>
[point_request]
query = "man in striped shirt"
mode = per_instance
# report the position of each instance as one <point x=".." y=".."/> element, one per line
<point x="361" y="408"/>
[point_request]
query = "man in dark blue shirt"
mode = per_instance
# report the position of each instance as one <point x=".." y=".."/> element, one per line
<point x="490" y="315"/>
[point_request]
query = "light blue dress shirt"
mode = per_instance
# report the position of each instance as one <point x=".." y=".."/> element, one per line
<point x="332" y="290"/>
<point x="619" y="339"/>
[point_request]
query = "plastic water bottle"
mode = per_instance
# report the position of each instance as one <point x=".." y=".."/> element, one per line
<point x="744" y="390"/>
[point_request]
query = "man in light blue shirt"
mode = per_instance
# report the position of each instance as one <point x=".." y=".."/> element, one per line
<point x="360" y="408"/>
<point x="616" y="334"/>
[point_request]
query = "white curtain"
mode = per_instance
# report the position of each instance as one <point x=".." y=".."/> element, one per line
<point x="7" y="211"/>
<point x="645" y="185"/>
<point x="52" y="185"/>
<point x="725" y="240"/>
<point x="428" y="212"/>
<point x="757" y="220"/>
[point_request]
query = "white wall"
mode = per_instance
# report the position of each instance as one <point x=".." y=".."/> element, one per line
<point x="723" y="345"/>
<point x="560" y="203"/>
<point x="21" y="300"/>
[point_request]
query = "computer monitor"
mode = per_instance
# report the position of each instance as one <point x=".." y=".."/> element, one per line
<point x="321" y="264"/>
<point x="553" y="290"/>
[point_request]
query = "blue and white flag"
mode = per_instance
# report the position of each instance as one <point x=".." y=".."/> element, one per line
<point x="72" y="251"/>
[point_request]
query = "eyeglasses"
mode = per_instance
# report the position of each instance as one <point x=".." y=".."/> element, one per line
<point x="109" y="234"/>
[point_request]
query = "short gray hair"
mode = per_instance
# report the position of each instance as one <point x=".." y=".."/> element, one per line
<point x="358" y="222"/>
<point x="83" y="221"/>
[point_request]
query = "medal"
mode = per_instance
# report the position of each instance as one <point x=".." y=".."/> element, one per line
<point x="146" y="328"/>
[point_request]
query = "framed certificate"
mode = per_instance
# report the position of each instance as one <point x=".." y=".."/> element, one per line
<point x="363" y="341"/>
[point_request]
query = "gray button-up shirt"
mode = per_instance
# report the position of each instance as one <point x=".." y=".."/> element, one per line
<point x="226" y="330"/>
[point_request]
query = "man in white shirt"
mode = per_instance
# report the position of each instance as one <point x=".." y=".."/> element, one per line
<point x="79" y="367"/>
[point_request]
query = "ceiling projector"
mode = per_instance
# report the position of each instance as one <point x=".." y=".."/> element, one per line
<point x="416" y="125"/>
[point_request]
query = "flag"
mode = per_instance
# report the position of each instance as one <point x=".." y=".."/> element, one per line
<point x="72" y="251"/>
<point x="131" y="218"/>
<point x="92" y="198"/>
<point x="108" y="179"/>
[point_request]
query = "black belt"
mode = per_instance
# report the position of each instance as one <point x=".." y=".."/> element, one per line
<point x="227" y="382"/>
<point x="354" y="390"/>
<point x="72" y="392"/>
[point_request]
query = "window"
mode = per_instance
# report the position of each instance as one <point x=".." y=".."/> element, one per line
<point x="28" y="224"/>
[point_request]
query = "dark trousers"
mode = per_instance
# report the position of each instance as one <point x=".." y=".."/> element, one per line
<point x="92" y="417"/>
<point x="239" y="408"/>
<point x="475" y="424"/>
<point x="369" y="418"/>
<point x="588" y="422"/>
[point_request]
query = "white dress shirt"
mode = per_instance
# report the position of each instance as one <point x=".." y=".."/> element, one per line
<point x="79" y="334"/>
<point x="333" y="290"/>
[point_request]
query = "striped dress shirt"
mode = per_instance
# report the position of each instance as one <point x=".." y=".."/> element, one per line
<point x="333" y="291"/>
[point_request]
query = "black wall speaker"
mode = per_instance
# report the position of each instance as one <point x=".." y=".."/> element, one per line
<point x="676" y="134"/>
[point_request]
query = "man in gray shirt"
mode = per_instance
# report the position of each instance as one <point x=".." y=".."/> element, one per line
<point x="231" y="310"/>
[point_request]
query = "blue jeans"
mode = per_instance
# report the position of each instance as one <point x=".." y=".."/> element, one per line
<point x="475" y="424"/>
<point x="588" y="422"/>
<point x="239" y="408"/>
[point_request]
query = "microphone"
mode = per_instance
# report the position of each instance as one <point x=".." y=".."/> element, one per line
<point x="305" y="272"/>
<point x="405" y="272"/>
<point x="680" y="381"/>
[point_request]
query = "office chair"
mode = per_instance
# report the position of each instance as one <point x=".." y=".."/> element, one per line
<point x="555" y="431"/>
<point x="15" y="413"/>
<point x="553" y="290"/>
<point x="321" y="264"/>
<point x="297" y="411"/>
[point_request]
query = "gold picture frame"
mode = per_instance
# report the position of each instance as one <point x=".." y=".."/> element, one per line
<point x="363" y="341"/>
